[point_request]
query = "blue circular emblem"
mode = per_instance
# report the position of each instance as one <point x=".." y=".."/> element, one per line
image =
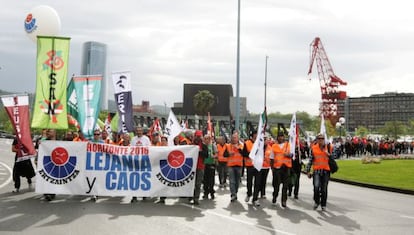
<point x="176" y="167"/>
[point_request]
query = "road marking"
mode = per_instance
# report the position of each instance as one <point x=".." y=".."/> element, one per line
<point x="406" y="216"/>
<point x="236" y="220"/>
<point x="10" y="177"/>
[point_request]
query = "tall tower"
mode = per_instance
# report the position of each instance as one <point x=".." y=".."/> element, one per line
<point x="94" y="63"/>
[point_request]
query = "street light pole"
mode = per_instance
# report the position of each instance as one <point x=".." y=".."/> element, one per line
<point x="237" y="121"/>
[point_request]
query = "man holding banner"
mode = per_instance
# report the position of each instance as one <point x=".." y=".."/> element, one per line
<point x="22" y="168"/>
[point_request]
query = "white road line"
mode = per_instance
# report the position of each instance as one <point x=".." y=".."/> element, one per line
<point x="237" y="220"/>
<point x="406" y="216"/>
<point x="10" y="178"/>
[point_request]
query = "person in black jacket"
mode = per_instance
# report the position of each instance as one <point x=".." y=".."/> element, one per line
<point x="22" y="168"/>
<point x="295" y="176"/>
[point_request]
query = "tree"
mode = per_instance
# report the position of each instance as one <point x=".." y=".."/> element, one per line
<point x="393" y="129"/>
<point x="203" y="101"/>
<point x="362" y="131"/>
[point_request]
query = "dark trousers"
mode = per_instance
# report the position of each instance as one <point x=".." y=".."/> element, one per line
<point x="222" y="172"/>
<point x="263" y="180"/>
<point x="294" y="183"/>
<point x="208" y="182"/>
<point x="253" y="177"/>
<point x="320" y="187"/>
<point x="280" y="176"/>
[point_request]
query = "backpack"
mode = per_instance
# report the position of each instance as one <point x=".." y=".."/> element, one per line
<point x="333" y="166"/>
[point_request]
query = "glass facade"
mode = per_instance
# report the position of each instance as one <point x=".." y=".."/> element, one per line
<point x="94" y="63"/>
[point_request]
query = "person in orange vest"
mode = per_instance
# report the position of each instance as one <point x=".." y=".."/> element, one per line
<point x="234" y="164"/>
<point x="222" y="157"/>
<point x="252" y="172"/>
<point x="264" y="172"/>
<point x="319" y="159"/>
<point x="281" y="163"/>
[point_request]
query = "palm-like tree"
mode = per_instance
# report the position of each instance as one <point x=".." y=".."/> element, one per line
<point x="203" y="102"/>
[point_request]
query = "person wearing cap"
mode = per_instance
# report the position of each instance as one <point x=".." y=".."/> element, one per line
<point x="281" y="163"/>
<point x="319" y="159"/>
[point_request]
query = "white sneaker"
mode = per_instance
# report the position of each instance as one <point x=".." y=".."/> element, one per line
<point x="256" y="203"/>
<point x="247" y="199"/>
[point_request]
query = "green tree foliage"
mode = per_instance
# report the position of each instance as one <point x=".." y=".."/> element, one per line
<point x="203" y="101"/>
<point x="393" y="129"/>
<point x="361" y="131"/>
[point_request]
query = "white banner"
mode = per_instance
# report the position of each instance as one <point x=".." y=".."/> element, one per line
<point x="80" y="168"/>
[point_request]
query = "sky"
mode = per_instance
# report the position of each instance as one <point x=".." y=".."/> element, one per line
<point x="165" y="44"/>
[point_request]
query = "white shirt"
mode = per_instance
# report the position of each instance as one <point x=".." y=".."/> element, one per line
<point x="141" y="141"/>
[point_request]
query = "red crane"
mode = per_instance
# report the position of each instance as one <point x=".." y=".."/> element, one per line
<point x="328" y="81"/>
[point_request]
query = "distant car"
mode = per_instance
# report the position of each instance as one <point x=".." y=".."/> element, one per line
<point x="6" y="135"/>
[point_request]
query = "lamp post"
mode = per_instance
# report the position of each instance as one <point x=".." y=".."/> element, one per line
<point x="339" y="125"/>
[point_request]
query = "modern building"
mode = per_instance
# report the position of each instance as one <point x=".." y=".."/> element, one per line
<point x="94" y="63"/>
<point x="374" y="111"/>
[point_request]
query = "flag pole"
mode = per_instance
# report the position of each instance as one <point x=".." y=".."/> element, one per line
<point x="265" y="84"/>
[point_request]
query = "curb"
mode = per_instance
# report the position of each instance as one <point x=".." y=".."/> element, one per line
<point x="390" y="189"/>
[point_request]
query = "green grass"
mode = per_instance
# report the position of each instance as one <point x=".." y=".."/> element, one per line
<point x="390" y="173"/>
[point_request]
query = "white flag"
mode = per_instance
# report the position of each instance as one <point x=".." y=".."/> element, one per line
<point x="172" y="128"/>
<point x="323" y="129"/>
<point x="257" y="152"/>
<point x="292" y="135"/>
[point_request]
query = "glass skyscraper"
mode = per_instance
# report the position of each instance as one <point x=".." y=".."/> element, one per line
<point x="94" y="63"/>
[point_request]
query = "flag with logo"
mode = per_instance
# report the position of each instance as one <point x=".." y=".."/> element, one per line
<point x="123" y="100"/>
<point x="107" y="125"/>
<point x="292" y="135"/>
<point x="50" y="107"/>
<point x="17" y="108"/>
<point x="88" y="93"/>
<point x="172" y="128"/>
<point x="257" y="152"/>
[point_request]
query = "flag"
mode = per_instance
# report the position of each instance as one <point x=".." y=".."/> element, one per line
<point x="155" y="127"/>
<point x="257" y="152"/>
<point x="72" y="104"/>
<point x="88" y="93"/>
<point x="184" y="123"/>
<point x="172" y="128"/>
<point x="209" y="126"/>
<point x="114" y="122"/>
<point x="292" y="135"/>
<point x="123" y="99"/>
<point x="107" y="124"/>
<point x="51" y="79"/>
<point x="323" y="129"/>
<point x="217" y="129"/>
<point x="17" y="108"/>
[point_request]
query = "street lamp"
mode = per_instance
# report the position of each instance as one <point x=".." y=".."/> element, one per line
<point x="339" y="125"/>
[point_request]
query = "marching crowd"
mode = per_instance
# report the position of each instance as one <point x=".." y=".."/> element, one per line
<point x="229" y="159"/>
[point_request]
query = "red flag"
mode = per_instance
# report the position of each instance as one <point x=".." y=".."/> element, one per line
<point x="17" y="108"/>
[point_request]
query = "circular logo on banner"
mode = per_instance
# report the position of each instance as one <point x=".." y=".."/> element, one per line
<point x="59" y="164"/>
<point x="176" y="167"/>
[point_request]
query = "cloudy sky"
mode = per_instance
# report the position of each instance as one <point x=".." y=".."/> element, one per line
<point x="167" y="43"/>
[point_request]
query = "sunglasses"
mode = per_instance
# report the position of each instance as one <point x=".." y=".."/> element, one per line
<point x="321" y="138"/>
<point x="96" y="134"/>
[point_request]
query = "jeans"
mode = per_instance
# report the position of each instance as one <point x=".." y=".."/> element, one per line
<point x="234" y="177"/>
<point x="320" y="187"/>
<point x="222" y="172"/>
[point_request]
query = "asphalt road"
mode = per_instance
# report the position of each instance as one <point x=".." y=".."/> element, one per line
<point x="350" y="210"/>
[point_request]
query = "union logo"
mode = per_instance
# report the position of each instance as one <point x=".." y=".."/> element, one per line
<point x="54" y="61"/>
<point x="59" y="164"/>
<point x="176" y="167"/>
<point x="30" y="23"/>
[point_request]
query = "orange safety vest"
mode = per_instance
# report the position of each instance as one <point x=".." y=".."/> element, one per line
<point x="266" y="159"/>
<point x="320" y="158"/>
<point x="249" y="145"/>
<point x="220" y="152"/>
<point x="279" y="155"/>
<point x="235" y="159"/>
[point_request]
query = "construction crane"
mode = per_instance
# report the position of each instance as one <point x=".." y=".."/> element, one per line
<point x="328" y="81"/>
